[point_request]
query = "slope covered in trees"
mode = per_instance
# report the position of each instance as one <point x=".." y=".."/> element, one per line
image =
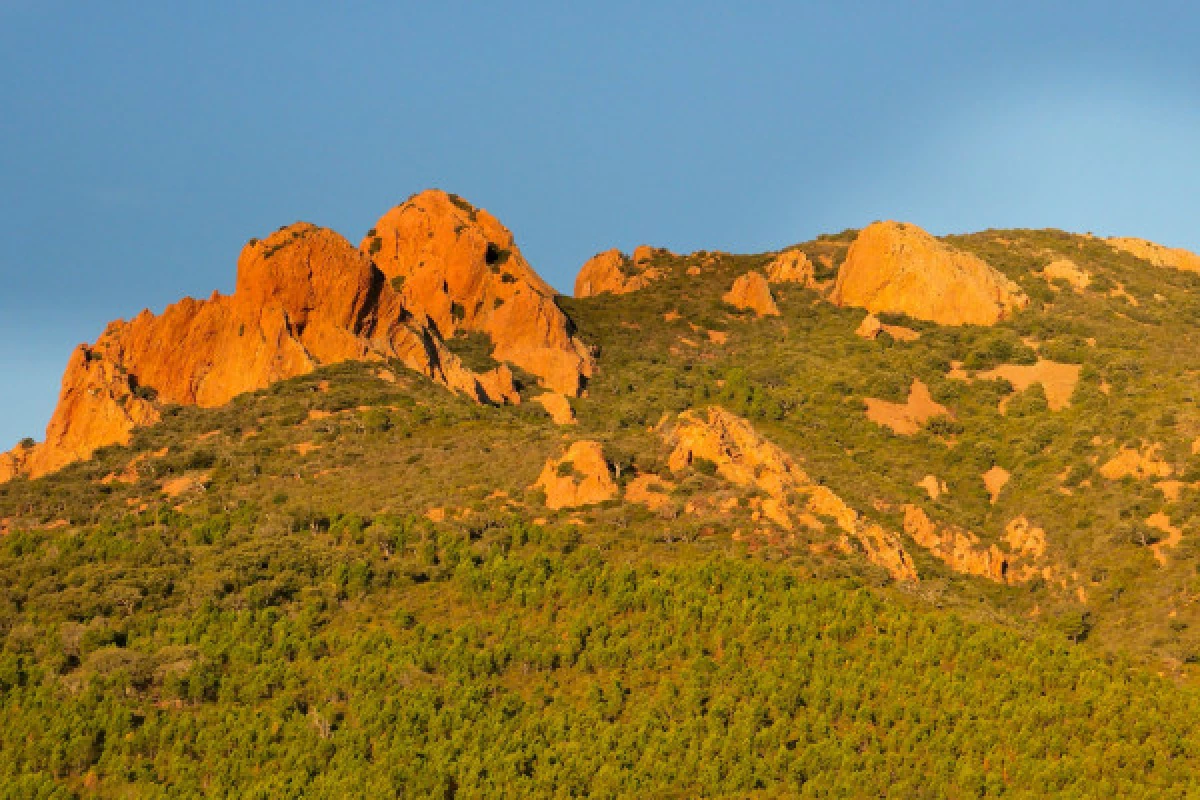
<point x="348" y="583"/>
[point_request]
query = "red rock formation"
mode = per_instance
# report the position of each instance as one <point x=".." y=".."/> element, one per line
<point x="1157" y="254"/>
<point x="791" y="266"/>
<point x="895" y="267"/>
<point x="580" y="477"/>
<point x="462" y="270"/>
<point x="745" y="458"/>
<point x="558" y="407"/>
<point x="750" y="292"/>
<point x="306" y="297"/>
<point x="612" y="272"/>
<point x="1022" y="559"/>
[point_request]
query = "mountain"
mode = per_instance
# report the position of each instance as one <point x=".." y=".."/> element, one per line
<point x="305" y="297"/>
<point x="880" y="513"/>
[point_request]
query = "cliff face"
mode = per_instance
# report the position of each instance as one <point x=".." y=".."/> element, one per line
<point x="894" y="267"/>
<point x="306" y="297"/>
<point x="458" y="267"/>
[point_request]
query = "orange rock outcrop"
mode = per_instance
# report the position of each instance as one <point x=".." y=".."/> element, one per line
<point x="306" y="297"/>
<point x="1157" y="254"/>
<point x="791" y="266"/>
<point x="745" y="458"/>
<point x="579" y="477"/>
<point x="613" y="272"/>
<point x="900" y="268"/>
<point x="750" y="292"/>
<point x="458" y="267"/>
<point x="558" y="407"/>
<point x="1021" y="559"/>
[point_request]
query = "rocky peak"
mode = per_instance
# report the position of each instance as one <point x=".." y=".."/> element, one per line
<point x="306" y="297"/>
<point x="461" y="269"/>
<point x="613" y="272"/>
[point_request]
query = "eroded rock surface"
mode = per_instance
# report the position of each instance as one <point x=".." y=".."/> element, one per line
<point x="458" y="267"/>
<point x="579" y="477"/>
<point x="791" y="266"/>
<point x="306" y="297"/>
<point x="745" y="458"/>
<point x="1020" y="560"/>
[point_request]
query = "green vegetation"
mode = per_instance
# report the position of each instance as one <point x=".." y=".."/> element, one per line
<point x="387" y="656"/>
<point x="350" y="595"/>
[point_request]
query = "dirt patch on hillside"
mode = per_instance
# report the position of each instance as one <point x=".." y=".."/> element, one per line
<point x="1058" y="380"/>
<point x="908" y="417"/>
<point x="995" y="479"/>
<point x="1161" y="522"/>
<point x="130" y="473"/>
<point x="649" y="490"/>
<point x="193" y="481"/>
<point x="934" y="487"/>
<point x="1171" y="490"/>
<point x="1067" y="270"/>
<point x="1141" y="464"/>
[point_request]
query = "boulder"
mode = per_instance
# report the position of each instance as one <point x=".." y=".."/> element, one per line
<point x="750" y="292"/>
<point x="893" y="267"/>
<point x="579" y="477"/>
<point x="558" y="407"/>
<point x="870" y="327"/>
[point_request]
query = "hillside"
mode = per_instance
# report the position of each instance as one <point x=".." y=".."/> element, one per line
<point x="878" y="513"/>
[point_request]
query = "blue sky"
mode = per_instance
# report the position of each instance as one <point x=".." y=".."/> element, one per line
<point x="142" y="144"/>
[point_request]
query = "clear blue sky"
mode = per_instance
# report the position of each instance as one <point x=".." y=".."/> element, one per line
<point x="142" y="143"/>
